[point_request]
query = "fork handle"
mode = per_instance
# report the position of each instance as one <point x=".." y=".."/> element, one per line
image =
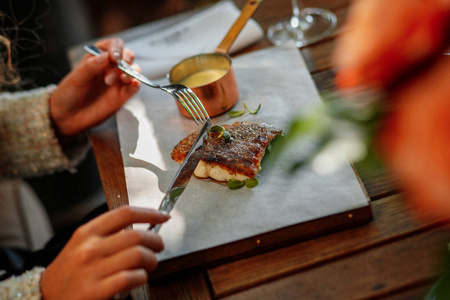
<point x="123" y="66"/>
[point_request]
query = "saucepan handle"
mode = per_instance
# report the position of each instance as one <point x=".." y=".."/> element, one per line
<point x="246" y="13"/>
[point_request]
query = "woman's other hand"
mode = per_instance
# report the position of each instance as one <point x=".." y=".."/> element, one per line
<point x="101" y="260"/>
<point x="93" y="91"/>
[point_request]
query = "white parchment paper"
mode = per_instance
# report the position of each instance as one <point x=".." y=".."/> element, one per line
<point x="159" y="51"/>
<point x="209" y="214"/>
<point x="160" y="45"/>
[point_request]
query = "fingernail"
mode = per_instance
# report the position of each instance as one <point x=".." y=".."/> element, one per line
<point x="165" y="213"/>
<point x="116" y="55"/>
<point x="135" y="85"/>
<point x="125" y="78"/>
<point x="110" y="78"/>
<point x="102" y="58"/>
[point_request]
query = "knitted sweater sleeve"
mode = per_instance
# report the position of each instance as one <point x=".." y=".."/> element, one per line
<point x="28" y="144"/>
<point x="25" y="286"/>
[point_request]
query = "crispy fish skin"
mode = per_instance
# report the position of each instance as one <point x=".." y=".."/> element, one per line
<point x="238" y="159"/>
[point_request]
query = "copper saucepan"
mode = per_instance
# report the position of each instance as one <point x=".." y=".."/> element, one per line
<point x="210" y="76"/>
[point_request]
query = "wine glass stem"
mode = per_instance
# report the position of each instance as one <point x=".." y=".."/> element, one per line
<point x="295" y="8"/>
<point x="297" y="19"/>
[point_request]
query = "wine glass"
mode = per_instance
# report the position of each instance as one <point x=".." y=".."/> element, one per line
<point x="306" y="26"/>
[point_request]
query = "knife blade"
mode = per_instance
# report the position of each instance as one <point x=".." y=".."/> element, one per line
<point x="184" y="173"/>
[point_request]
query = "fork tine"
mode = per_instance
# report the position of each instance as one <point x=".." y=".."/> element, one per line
<point x="182" y="101"/>
<point x="198" y="104"/>
<point x="195" y="103"/>
<point x="191" y="105"/>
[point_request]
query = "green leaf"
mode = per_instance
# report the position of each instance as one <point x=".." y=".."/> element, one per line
<point x="441" y="289"/>
<point x="235" y="184"/>
<point x="223" y="132"/>
<point x="251" y="183"/>
<point x="236" y="113"/>
<point x="253" y="112"/>
<point x="217" y="128"/>
<point x="176" y="192"/>
<point x="227" y="136"/>
<point x="322" y="142"/>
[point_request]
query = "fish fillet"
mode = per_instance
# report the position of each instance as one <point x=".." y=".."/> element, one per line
<point x="238" y="159"/>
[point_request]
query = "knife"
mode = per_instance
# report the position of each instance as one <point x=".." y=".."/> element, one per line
<point x="184" y="173"/>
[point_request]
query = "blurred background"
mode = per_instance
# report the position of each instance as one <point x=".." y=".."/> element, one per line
<point x="50" y="28"/>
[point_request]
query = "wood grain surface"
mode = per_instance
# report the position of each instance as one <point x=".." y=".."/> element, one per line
<point x="398" y="255"/>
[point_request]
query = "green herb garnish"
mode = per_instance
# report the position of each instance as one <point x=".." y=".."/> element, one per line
<point x="237" y="184"/>
<point x="253" y="112"/>
<point x="226" y="135"/>
<point x="251" y="183"/>
<point x="237" y="113"/>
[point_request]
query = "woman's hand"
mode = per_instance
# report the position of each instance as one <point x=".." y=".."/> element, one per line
<point x="101" y="260"/>
<point x="93" y="91"/>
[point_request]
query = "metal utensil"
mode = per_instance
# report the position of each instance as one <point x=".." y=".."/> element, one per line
<point x="181" y="179"/>
<point x="184" y="95"/>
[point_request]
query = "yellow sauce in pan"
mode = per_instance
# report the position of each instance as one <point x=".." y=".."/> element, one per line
<point x="203" y="77"/>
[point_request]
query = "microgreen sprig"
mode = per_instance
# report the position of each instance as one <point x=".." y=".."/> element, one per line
<point x="237" y="113"/>
<point x="237" y="184"/>
<point x="223" y="132"/>
<point x="252" y="112"/>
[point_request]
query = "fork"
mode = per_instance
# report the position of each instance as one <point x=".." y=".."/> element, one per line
<point x="183" y="94"/>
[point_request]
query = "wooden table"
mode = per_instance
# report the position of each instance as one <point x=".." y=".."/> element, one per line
<point x="398" y="255"/>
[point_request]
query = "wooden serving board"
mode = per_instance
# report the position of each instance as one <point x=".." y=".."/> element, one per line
<point x="211" y="223"/>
